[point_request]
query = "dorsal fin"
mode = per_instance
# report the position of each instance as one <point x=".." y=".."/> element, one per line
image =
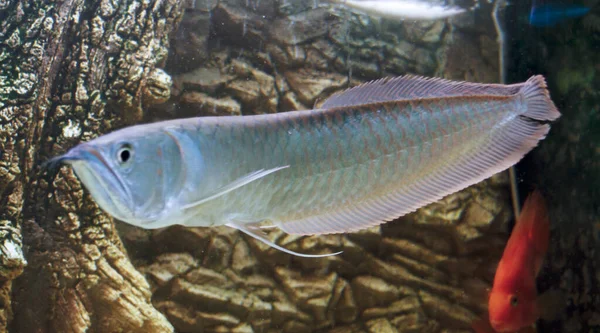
<point x="411" y="87"/>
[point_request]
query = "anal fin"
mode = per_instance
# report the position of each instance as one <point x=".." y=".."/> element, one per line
<point x="257" y="234"/>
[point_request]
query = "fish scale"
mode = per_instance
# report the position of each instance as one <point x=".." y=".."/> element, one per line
<point x="310" y="181"/>
<point x="371" y="154"/>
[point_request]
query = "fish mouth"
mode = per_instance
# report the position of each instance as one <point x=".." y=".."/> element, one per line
<point x="87" y="163"/>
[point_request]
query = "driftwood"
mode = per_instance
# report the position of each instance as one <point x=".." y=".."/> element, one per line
<point x="70" y="70"/>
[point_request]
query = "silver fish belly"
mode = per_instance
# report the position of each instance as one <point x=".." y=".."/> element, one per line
<point x="369" y="155"/>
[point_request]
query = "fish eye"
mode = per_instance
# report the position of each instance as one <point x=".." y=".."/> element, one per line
<point x="514" y="301"/>
<point x="124" y="153"/>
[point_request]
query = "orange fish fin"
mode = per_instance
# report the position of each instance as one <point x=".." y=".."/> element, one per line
<point x="482" y="325"/>
<point x="534" y="222"/>
<point x="551" y="304"/>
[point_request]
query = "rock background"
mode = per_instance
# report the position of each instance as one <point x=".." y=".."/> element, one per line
<point x="425" y="272"/>
<point x="250" y="57"/>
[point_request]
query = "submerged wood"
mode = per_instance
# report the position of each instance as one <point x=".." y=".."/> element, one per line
<point x="65" y="65"/>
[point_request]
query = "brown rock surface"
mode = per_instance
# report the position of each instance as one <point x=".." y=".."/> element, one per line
<point x="308" y="85"/>
<point x="203" y="104"/>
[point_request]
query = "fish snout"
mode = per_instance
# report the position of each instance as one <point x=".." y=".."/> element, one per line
<point x="74" y="154"/>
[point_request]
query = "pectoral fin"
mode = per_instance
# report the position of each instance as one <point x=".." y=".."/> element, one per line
<point x="235" y="185"/>
<point x="256" y="233"/>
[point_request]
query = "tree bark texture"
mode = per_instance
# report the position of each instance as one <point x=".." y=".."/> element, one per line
<point x="69" y="71"/>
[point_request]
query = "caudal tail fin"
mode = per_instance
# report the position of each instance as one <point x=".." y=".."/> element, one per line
<point x="532" y="125"/>
<point x="537" y="100"/>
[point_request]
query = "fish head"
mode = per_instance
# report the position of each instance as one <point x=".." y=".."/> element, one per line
<point x="511" y="311"/>
<point x="130" y="174"/>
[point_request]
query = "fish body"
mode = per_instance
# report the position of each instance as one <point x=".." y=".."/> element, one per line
<point x="402" y="9"/>
<point x="369" y="155"/>
<point x="513" y="301"/>
<point x="553" y="13"/>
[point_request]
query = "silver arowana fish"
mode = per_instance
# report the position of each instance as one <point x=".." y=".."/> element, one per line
<point x="402" y="9"/>
<point x="369" y="155"/>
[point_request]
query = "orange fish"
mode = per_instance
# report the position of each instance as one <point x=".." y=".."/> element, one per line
<point x="514" y="305"/>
